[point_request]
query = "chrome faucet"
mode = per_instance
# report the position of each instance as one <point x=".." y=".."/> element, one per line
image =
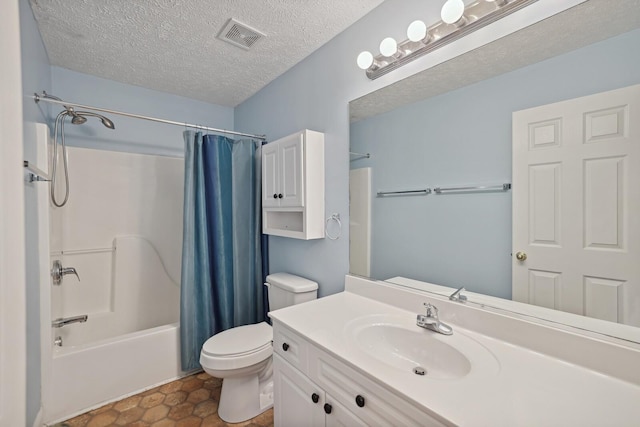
<point x="457" y="295"/>
<point x="431" y="321"/>
<point x="62" y="321"/>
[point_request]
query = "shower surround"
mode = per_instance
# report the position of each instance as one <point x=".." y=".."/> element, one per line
<point x="122" y="231"/>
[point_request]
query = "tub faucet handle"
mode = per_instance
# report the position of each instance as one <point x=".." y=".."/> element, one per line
<point x="70" y="270"/>
<point x="58" y="272"/>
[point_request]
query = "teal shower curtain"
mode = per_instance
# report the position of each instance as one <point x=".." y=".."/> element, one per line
<point x="223" y="249"/>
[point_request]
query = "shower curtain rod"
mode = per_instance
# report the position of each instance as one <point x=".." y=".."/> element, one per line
<point x="44" y="97"/>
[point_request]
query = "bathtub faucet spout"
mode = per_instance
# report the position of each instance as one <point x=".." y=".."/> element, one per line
<point x="60" y="322"/>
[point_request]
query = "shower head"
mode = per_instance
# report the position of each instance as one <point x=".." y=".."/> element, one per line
<point x="79" y="117"/>
<point x="107" y="122"/>
<point x="78" y="120"/>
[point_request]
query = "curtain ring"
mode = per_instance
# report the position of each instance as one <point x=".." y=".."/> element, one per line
<point x="334" y="217"/>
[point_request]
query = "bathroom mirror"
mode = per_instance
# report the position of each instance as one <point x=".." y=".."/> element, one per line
<point x="451" y="126"/>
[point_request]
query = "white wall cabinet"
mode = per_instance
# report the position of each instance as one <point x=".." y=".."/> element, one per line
<point x="293" y="186"/>
<point x="313" y="388"/>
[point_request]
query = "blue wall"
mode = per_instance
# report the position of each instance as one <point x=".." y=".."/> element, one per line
<point x="464" y="137"/>
<point x="133" y="135"/>
<point x="315" y="95"/>
<point x="35" y="76"/>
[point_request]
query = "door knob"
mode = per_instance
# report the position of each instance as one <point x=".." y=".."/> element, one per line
<point x="521" y="256"/>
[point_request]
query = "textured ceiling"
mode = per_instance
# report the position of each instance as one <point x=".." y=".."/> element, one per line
<point x="172" y="45"/>
<point x="585" y="24"/>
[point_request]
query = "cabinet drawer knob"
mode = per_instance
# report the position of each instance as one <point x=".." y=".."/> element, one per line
<point x="275" y="196"/>
<point x="285" y="346"/>
<point x="360" y="401"/>
<point x="315" y="398"/>
<point x="327" y="408"/>
<point x="280" y="196"/>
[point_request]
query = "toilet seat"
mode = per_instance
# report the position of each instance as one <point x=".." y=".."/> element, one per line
<point x="238" y="347"/>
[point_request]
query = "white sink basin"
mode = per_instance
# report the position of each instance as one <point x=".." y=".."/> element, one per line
<point x="398" y="343"/>
<point x="406" y="349"/>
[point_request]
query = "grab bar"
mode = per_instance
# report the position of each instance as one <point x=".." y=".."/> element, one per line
<point x="440" y="190"/>
<point x="88" y="251"/>
<point x="63" y="321"/>
<point x="504" y="187"/>
<point x="404" y="192"/>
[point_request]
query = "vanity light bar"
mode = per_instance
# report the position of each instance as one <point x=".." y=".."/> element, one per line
<point x="475" y="16"/>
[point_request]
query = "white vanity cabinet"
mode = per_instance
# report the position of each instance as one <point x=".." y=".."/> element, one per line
<point x="300" y="402"/>
<point x="314" y="388"/>
<point x="293" y="186"/>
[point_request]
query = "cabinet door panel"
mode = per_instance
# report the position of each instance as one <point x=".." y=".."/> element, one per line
<point x="291" y="166"/>
<point x="270" y="175"/>
<point x="293" y="404"/>
<point x="296" y="347"/>
<point x="340" y="416"/>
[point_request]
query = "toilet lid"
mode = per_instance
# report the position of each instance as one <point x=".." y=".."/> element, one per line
<point x="239" y="340"/>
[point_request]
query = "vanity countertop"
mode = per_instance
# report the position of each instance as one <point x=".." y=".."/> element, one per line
<point x="514" y="387"/>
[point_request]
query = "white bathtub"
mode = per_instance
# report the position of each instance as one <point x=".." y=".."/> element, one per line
<point x="88" y="376"/>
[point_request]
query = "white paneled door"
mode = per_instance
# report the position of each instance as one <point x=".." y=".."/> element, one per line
<point x="576" y="206"/>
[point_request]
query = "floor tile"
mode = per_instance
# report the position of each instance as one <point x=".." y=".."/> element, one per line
<point x="188" y="402"/>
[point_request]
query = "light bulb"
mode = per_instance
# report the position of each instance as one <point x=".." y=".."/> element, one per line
<point x="417" y="31"/>
<point x="365" y="60"/>
<point x="452" y="11"/>
<point x="388" y="46"/>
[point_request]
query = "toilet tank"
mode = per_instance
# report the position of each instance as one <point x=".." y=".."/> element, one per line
<point x="287" y="289"/>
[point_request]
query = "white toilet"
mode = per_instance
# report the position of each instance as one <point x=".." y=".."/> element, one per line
<point x="241" y="356"/>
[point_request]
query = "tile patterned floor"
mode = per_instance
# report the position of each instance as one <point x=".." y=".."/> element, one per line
<point x="189" y="402"/>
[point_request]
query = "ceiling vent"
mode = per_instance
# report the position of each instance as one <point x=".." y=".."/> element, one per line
<point x="239" y="34"/>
